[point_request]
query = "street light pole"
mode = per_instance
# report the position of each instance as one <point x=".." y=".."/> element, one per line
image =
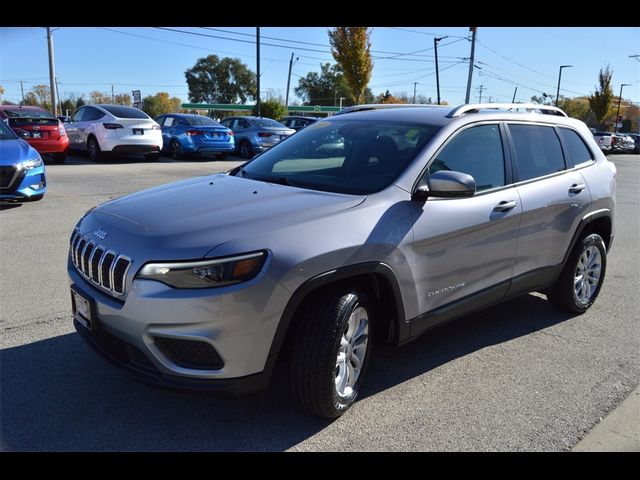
<point x="435" y="48"/>
<point x="258" y="71"/>
<point x="341" y="98"/>
<point x="559" y="77"/>
<point x="286" y="101"/>
<point x="620" y="100"/>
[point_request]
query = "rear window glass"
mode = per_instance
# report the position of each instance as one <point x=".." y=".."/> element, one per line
<point x="124" y="112"/>
<point x="201" y="120"/>
<point x="21" y="113"/>
<point x="267" y="122"/>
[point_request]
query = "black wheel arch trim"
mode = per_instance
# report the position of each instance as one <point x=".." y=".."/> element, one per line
<point x="402" y="328"/>
<point x="586" y="220"/>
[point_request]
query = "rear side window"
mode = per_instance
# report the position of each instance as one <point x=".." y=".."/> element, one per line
<point x="168" y="122"/>
<point x="91" y="114"/>
<point x="538" y="151"/>
<point x="478" y="152"/>
<point x="576" y="146"/>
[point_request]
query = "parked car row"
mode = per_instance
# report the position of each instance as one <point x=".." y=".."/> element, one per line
<point x="617" y="142"/>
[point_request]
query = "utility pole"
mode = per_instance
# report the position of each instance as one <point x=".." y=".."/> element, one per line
<point x="22" y="91"/>
<point x="435" y="48"/>
<point x="58" y="95"/>
<point x="52" y="74"/>
<point x="513" y="100"/>
<point x="480" y="88"/>
<point x="619" y="101"/>
<point x="473" y="50"/>
<point x="286" y="101"/>
<point x="258" y="71"/>
<point x="113" y="97"/>
<point x="637" y="57"/>
<point x="415" y="85"/>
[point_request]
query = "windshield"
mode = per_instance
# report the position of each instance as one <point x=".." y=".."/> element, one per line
<point x="28" y="113"/>
<point x="6" y="133"/>
<point x="201" y="120"/>
<point x="121" y="111"/>
<point x="343" y="156"/>
<point x="267" y="122"/>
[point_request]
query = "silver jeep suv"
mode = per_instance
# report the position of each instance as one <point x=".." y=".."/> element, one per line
<point x="413" y="217"/>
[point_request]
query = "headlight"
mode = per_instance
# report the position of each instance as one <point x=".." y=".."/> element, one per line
<point x="29" y="164"/>
<point x="219" y="272"/>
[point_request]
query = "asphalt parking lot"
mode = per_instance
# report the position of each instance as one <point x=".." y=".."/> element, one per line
<point x="518" y="376"/>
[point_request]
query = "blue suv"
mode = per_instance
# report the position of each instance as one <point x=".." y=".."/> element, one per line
<point x="184" y="134"/>
<point x="21" y="169"/>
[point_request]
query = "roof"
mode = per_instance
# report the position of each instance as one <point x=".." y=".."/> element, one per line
<point x="22" y="107"/>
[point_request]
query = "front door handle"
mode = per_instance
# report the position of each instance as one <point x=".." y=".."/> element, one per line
<point x="505" y="206"/>
<point x="577" y="187"/>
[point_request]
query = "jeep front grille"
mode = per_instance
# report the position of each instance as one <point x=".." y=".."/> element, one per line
<point x="102" y="267"/>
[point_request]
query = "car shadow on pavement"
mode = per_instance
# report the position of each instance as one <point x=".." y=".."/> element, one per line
<point x="57" y="395"/>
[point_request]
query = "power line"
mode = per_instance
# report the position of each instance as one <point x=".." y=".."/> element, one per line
<point x="425" y="33"/>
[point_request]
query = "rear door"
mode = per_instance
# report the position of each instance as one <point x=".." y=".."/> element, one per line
<point x="167" y="124"/>
<point x="554" y="197"/>
<point x="463" y="246"/>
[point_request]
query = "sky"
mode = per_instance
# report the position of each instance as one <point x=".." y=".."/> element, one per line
<point x="153" y="59"/>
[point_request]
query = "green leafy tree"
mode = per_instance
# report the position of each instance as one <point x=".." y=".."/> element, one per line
<point x="632" y="118"/>
<point x="271" y="109"/>
<point x="216" y="80"/>
<point x="577" y="107"/>
<point x="602" y="98"/>
<point x="324" y="88"/>
<point x="387" y="97"/>
<point x="350" y="47"/>
<point x="160" y="103"/>
<point x="71" y="103"/>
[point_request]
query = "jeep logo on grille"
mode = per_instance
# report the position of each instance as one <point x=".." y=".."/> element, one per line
<point x="100" y="233"/>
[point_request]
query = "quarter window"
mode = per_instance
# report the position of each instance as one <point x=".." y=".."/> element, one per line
<point x="478" y="152"/>
<point x="576" y="146"/>
<point x="538" y="151"/>
<point x="168" y="122"/>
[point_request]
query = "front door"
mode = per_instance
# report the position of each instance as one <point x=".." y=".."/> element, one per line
<point x="466" y="246"/>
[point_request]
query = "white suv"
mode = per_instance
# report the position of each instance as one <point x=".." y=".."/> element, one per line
<point x="100" y="129"/>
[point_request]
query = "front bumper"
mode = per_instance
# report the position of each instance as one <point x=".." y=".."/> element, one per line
<point x="29" y="185"/>
<point x="239" y="322"/>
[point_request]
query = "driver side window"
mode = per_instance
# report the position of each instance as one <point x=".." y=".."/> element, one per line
<point x="476" y="151"/>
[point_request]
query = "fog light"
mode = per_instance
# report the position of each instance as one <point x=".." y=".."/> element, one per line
<point x="37" y="186"/>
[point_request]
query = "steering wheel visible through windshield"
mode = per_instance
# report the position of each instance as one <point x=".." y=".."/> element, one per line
<point x="343" y="156"/>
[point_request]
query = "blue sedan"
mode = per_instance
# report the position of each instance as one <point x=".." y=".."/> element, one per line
<point x="184" y="134"/>
<point x="21" y="169"/>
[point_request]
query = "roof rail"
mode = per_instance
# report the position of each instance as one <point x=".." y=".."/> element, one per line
<point x="379" y="106"/>
<point x="474" y="107"/>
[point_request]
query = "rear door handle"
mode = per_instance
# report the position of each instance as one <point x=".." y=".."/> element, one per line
<point x="577" y="187"/>
<point x="505" y="206"/>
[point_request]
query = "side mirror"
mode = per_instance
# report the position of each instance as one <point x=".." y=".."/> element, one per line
<point x="23" y="134"/>
<point x="446" y="183"/>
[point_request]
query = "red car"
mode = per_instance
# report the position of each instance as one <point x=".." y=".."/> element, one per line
<point x="41" y="129"/>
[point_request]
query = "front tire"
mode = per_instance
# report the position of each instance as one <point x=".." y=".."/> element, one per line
<point x="581" y="279"/>
<point x="332" y="350"/>
<point x="93" y="150"/>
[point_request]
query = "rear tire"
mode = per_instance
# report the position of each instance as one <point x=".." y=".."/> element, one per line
<point x="332" y="350"/>
<point x="59" y="157"/>
<point x="175" y="150"/>
<point x="152" y="157"/>
<point x="245" y="150"/>
<point x="93" y="149"/>
<point x="581" y="279"/>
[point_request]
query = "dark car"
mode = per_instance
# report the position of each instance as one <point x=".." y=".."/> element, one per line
<point x="298" y="122"/>
<point x="39" y="128"/>
<point x="256" y="134"/>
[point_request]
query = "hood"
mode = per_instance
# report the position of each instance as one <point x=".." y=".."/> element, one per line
<point x="15" y="151"/>
<point x="187" y="219"/>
